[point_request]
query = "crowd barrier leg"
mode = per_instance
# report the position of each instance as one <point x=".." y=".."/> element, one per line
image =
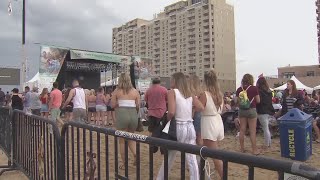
<point x="6" y="123"/>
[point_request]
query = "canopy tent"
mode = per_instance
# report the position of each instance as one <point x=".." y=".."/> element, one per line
<point x="34" y="82"/>
<point x="35" y="78"/>
<point x="111" y="82"/>
<point x="299" y="86"/>
<point x="316" y="88"/>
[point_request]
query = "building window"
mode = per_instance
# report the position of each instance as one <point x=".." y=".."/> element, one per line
<point x="288" y="74"/>
<point x="310" y="73"/>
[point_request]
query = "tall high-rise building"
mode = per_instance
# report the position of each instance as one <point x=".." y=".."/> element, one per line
<point x="188" y="36"/>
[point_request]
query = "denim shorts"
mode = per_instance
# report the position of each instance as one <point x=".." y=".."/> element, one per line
<point x="44" y="108"/>
<point x="248" y="113"/>
<point x="101" y="108"/>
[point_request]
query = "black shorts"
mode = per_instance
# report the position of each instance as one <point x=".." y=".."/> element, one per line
<point x="109" y="108"/>
<point x="154" y="123"/>
<point x="69" y="109"/>
<point x="92" y="109"/>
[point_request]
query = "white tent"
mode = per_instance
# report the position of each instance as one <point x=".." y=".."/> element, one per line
<point x="110" y="82"/>
<point x="317" y="87"/>
<point x="34" y="82"/>
<point x="35" y="78"/>
<point x="299" y="85"/>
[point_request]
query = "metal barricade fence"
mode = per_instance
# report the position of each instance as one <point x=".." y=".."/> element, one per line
<point x="6" y="135"/>
<point x="36" y="146"/>
<point x="92" y="152"/>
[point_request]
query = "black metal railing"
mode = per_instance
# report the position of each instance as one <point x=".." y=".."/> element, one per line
<point x="102" y="143"/>
<point x="36" y="146"/>
<point x="6" y="136"/>
<point x="84" y="151"/>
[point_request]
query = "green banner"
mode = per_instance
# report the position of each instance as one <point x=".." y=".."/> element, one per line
<point x="76" y="54"/>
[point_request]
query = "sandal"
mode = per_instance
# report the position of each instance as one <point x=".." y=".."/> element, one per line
<point x="318" y="141"/>
<point x="257" y="153"/>
<point x="122" y="167"/>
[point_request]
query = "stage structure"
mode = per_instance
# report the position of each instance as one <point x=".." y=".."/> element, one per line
<point x="64" y="65"/>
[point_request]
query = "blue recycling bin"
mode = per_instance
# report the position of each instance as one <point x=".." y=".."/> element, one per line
<point x="296" y="135"/>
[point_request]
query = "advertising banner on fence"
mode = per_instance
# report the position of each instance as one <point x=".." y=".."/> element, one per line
<point x="143" y="73"/>
<point x="51" y="61"/>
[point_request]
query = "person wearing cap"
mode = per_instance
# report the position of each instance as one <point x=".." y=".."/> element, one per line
<point x="35" y="103"/>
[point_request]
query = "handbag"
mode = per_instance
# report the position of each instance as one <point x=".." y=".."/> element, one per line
<point x="172" y="132"/>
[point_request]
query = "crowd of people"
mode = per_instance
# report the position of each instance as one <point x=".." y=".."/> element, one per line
<point x="193" y="106"/>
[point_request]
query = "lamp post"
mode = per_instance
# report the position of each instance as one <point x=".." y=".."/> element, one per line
<point x="24" y="57"/>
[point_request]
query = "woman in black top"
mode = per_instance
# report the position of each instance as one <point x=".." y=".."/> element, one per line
<point x="265" y="109"/>
<point x="16" y="100"/>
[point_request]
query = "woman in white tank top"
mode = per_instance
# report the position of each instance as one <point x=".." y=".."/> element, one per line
<point x="180" y="102"/>
<point x="212" y="129"/>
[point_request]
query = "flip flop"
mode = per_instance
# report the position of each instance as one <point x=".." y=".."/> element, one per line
<point x="122" y="167"/>
<point x="257" y="153"/>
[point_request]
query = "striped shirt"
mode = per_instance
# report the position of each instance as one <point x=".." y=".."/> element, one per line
<point x="290" y="102"/>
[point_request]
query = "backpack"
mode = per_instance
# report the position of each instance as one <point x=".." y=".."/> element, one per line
<point x="244" y="102"/>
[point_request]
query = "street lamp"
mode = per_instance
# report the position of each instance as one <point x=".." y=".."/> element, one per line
<point x="23" y="42"/>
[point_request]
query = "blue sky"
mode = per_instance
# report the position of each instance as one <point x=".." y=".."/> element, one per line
<point x="269" y="33"/>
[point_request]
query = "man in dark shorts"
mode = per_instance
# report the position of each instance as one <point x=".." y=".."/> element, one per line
<point x="156" y="99"/>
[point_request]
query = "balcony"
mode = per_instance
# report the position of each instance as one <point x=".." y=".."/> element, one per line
<point x="173" y="55"/>
<point x="192" y="24"/>
<point x="190" y="18"/>
<point x="173" y="39"/>
<point x="192" y="60"/>
<point x="191" y="15"/>
<point x="173" y="49"/>
<point x="207" y="46"/>
<point x="172" y="20"/>
<point x="192" y="41"/>
<point x="173" y="64"/>
<point x="206" y="43"/>
<point x="157" y="28"/>
<point x="193" y="52"/>
<point x="173" y="29"/>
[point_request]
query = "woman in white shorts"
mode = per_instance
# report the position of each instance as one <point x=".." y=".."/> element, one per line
<point x="212" y="129"/>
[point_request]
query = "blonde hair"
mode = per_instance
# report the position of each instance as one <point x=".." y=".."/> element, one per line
<point x="180" y="83"/>
<point x="195" y="85"/>
<point x="92" y="92"/>
<point x="212" y="86"/>
<point x="124" y="83"/>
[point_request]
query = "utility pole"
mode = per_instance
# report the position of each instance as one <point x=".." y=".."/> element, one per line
<point x="24" y="57"/>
